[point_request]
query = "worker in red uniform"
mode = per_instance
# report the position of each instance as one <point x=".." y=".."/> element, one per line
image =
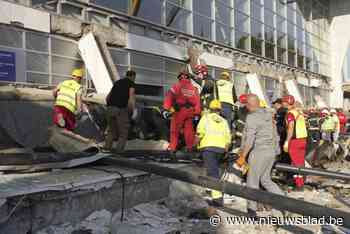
<point x="342" y="120"/>
<point x="182" y="102"/>
<point x="295" y="143"/>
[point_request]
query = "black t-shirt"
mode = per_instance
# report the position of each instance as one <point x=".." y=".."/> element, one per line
<point x="119" y="95"/>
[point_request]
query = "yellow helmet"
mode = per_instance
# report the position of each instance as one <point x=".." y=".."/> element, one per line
<point x="78" y="73"/>
<point x="225" y="75"/>
<point x="262" y="103"/>
<point x="215" y="105"/>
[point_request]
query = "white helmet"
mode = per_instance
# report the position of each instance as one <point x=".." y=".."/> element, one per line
<point x="333" y="111"/>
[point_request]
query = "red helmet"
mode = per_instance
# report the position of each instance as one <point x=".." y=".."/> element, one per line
<point x="243" y="99"/>
<point x="201" y="69"/>
<point x="288" y="99"/>
<point x="183" y="75"/>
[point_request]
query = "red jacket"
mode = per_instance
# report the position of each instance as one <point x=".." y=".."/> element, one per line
<point x="342" y="120"/>
<point x="183" y="94"/>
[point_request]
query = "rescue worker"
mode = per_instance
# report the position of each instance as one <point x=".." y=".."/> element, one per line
<point x="120" y="102"/>
<point x="239" y="121"/>
<point x="68" y="102"/>
<point x="336" y="121"/>
<point x="261" y="142"/>
<point x="342" y="120"/>
<point x="205" y="85"/>
<point x="314" y="130"/>
<point x="280" y="117"/>
<point x="295" y="143"/>
<point x="328" y="125"/>
<point x="226" y="95"/>
<point x="182" y="103"/>
<point x="214" y="137"/>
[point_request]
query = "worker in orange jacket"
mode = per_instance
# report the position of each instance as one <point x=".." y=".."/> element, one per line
<point x="182" y="103"/>
<point x="295" y="143"/>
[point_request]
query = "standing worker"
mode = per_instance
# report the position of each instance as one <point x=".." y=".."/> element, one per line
<point x="261" y="142"/>
<point x="336" y="121"/>
<point x="214" y="141"/>
<point x="226" y="95"/>
<point x="182" y="102"/>
<point x="120" y="102"/>
<point x="295" y="143"/>
<point x="342" y="120"/>
<point x="68" y="102"/>
<point x="328" y="125"/>
<point x="239" y="121"/>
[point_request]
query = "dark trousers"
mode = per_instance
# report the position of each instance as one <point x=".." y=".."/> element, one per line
<point x="118" y="127"/>
<point x="212" y="162"/>
<point x="227" y="112"/>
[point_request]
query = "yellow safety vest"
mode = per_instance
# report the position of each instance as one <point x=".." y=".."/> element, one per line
<point x="66" y="96"/>
<point x="225" y="91"/>
<point x="213" y="131"/>
<point x="300" y="125"/>
<point x="329" y="124"/>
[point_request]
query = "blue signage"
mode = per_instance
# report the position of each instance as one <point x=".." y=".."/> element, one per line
<point x="7" y="66"/>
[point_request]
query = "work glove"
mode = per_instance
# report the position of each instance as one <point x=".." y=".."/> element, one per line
<point x="134" y="114"/>
<point x="240" y="161"/>
<point x="166" y="114"/>
<point x="285" y="146"/>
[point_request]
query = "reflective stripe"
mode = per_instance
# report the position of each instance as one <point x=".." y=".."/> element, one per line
<point x="225" y="91"/>
<point x="300" y="130"/>
<point x="241" y="121"/>
<point x="66" y="96"/>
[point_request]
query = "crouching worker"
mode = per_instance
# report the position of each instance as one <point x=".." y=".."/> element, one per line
<point x="68" y="102"/>
<point x="214" y="141"/>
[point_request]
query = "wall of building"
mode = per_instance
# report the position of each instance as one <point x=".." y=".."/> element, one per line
<point x="339" y="41"/>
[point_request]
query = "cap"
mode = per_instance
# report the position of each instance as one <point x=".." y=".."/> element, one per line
<point x="288" y="99"/>
<point x="215" y="105"/>
<point x="79" y="73"/>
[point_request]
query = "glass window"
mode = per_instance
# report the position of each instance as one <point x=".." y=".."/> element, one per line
<point x="269" y="50"/>
<point x="281" y="24"/>
<point x="148" y="90"/>
<point x="35" y="41"/>
<point x="269" y="16"/>
<point x="256" y="30"/>
<point x="145" y="76"/>
<point x="72" y="11"/>
<point x="64" y="47"/>
<point x="281" y="55"/>
<point x="241" y="22"/>
<point x="148" y="10"/>
<point x="281" y="40"/>
<point x="202" y="26"/>
<point x="37" y="78"/>
<point x="223" y="34"/>
<point x="290" y="13"/>
<point x="97" y="18"/>
<point x="242" y="40"/>
<point x="256" y="45"/>
<point x="300" y="61"/>
<point x="146" y="61"/>
<point x="64" y="66"/>
<point x="291" y="44"/>
<point x="268" y="4"/>
<point x="242" y="5"/>
<point x="281" y="7"/>
<point x="203" y="7"/>
<point x="290" y="28"/>
<point x="119" y="57"/>
<point x="255" y="11"/>
<point x="223" y="13"/>
<point x="11" y="37"/>
<point x="178" y="18"/>
<point x="269" y="34"/>
<point x="181" y="3"/>
<point x="291" y="58"/>
<point x="173" y="66"/>
<point x="119" y="5"/>
<point x="37" y="62"/>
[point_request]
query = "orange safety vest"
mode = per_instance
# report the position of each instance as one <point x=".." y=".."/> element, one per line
<point x="300" y="125"/>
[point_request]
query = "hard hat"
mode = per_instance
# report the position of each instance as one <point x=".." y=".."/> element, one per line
<point x="215" y="105"/>
<point x="183" y="75"/>
<point x="79" y="73"/>
<point x="325" y="112"/>
<point x="243" y="99"/>
<point x="333" y="111"/>
<point x="201" y="69"/>
<point x="262" y="103"/>
<point x="225" y="75"/>
<point x="288" y="99"/>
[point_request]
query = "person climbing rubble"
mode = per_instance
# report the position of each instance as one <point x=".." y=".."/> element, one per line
<point x="295" y="143"/>
<point x="182" y="104"/>
<point x="214" y="137"/>
<point x="68" y="101"/>
<point x="261" y="142"/>
<point x="239" y="121"/>
<point x="120" y="103"/>
<point x="226" y="95"/>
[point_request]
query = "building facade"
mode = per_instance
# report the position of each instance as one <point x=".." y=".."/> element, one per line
<point x="281" y="38"/>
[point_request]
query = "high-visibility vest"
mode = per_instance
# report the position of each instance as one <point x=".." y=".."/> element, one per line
<point x="300" y="125"/>
<point x="213" y="131"/>
<point x="329" y="124"/>
<point x="66" y="96"/>
<point x="225" y="91"/>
